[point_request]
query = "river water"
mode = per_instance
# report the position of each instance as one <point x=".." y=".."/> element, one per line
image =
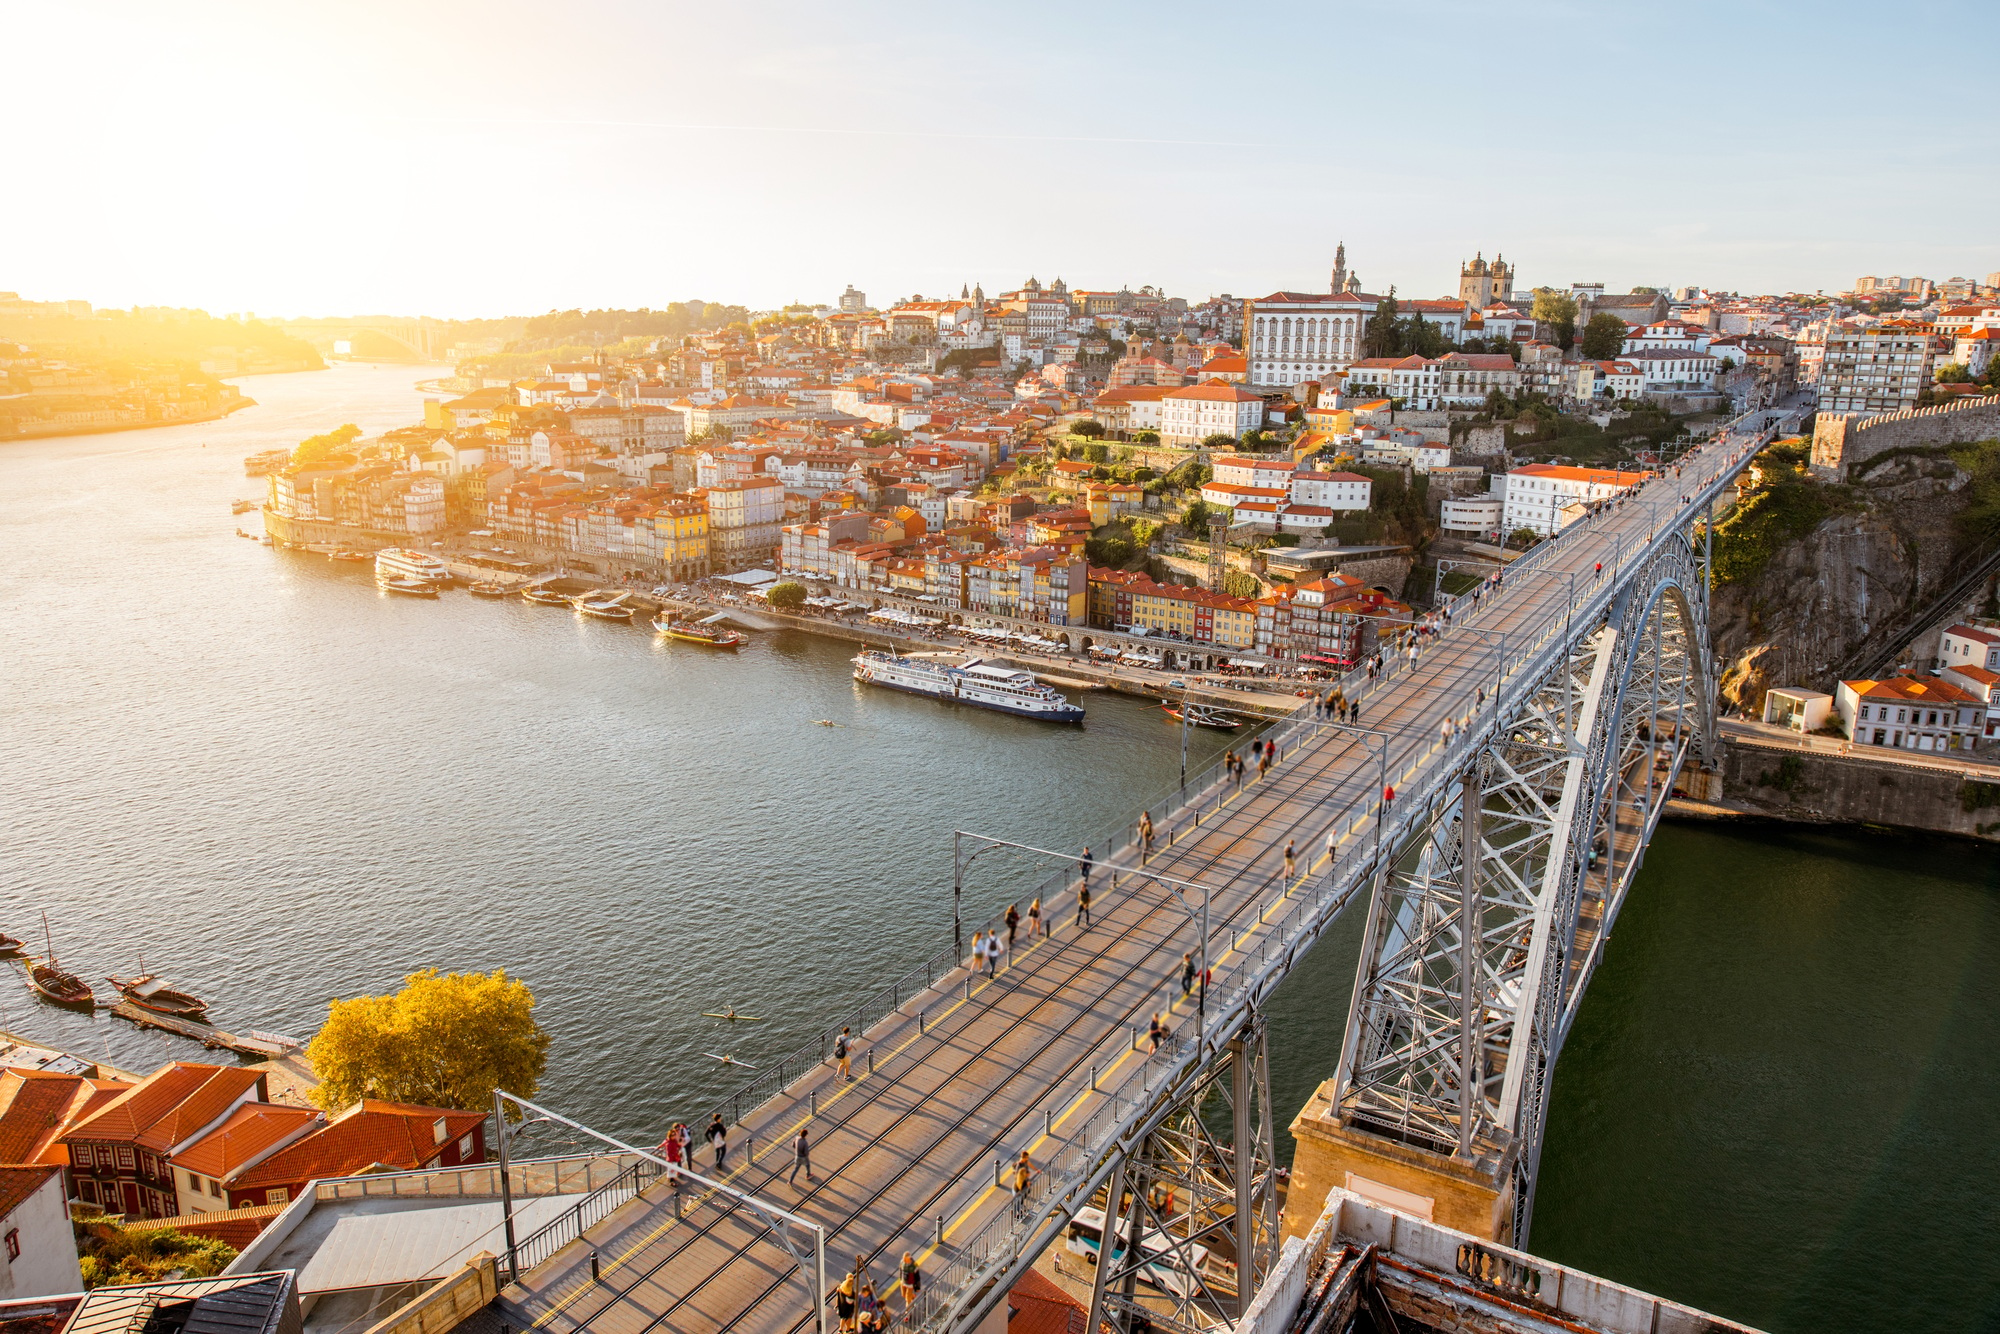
<point x="279" y="786"/>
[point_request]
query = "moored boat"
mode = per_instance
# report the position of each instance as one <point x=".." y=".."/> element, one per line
<point x="409" y="588"/>
<point x="242" y="506"/>
<point x="9" y="945"/>
<point x="403" y="563"/>
<point x="343" y="553"/>
<point x="483" y="590"/>
<point x="707" y="632"/>
<point x="545" y="597"/>
<point x="602" y="609"/>
<point x="980" y="684"/>
<point x="152" y="992"/>
<point x="58" y="985"/>
<point x="1203" y="715"/>
<point x="55" y="983"/>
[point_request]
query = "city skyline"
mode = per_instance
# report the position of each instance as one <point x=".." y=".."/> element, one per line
<point x="464" y="162"/>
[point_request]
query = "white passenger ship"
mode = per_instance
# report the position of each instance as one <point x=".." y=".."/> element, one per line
<point x="403" y="563"/>
<point x="971" y="682"/>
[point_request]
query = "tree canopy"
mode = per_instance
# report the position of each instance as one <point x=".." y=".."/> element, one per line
<point x="444" y="1040"/>
<point x="1558" y="311"/>
<point x="112" y="1254"/>
<point x="314" y="449"/>
<point x="1089" y="427"/>
<point x="1603" y="337"/>
<point x="787" y="596"/>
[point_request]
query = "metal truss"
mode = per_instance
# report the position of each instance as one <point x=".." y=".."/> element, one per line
<point x="1191" y="1211"/>
<point x="1491" y="915"/>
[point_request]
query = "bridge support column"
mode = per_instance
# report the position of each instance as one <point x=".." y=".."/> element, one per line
<point x="1475" y="1196"/>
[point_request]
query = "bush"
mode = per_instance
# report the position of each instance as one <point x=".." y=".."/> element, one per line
<point x="787" y="596"/>
<point x="1146" y="438"/>
<point x="112" y="1254"/>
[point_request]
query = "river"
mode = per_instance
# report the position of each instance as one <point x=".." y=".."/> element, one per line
<point x="279" y="786"/>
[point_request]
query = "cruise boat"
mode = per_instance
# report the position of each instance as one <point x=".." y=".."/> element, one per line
<point x="708" y="631"/>
<point x="981" y="684"/>
<point x="403" y="563"/>
<point x="409" y="588"/>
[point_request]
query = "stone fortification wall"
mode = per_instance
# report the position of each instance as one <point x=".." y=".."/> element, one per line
<point x="1841" y="441"/>
<point x="1813" y="787"/>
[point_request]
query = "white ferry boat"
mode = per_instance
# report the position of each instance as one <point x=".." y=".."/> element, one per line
<point x="403" y="563"/>
<point x="980" y="684"/>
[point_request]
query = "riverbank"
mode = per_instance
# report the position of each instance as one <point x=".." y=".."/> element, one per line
<point x="224" y="411"/>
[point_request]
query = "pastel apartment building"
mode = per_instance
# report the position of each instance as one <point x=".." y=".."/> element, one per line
<point x="1918" y="713"/>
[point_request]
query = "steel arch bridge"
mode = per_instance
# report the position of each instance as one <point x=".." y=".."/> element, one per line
<point x="1491" y="806"/>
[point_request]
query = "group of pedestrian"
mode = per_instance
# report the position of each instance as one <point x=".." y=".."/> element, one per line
<point x="985" y="952"/>
<point x="857" y="1307"/>
<point x="1337" y="706"/>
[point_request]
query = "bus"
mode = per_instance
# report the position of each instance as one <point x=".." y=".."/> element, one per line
<point x="1085" y="1235"/>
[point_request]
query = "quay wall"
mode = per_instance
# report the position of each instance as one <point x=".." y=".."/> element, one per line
<point x="1842" y="441"/>
<point x="1774" y="782"/>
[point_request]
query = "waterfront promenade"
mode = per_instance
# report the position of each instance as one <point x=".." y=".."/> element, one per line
<point x="967" y="1071"/>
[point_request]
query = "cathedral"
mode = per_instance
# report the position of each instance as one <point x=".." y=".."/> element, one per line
<point x="1479" y="285"/>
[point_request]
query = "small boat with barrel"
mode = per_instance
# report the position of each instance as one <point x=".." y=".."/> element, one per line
<point x="10" y="945"/>
<point x="708" y="632"/>
<point x="344" y="554"/>
<point x="1202" y="715"/>
<point x="56" y="984"/>
<point x="242" y="506"/>
<point x="486" y="590"/>
<point x="150" y="991"/>
<point x="546" y="597"/>
<point x="409" y="588"/>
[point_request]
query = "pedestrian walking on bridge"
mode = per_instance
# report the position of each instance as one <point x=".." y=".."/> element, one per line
<point x="718" y="1138"/>
<point x="1156" y="1032"/>
<point x="843" y="1048"/>
<point x="913" y="1282"/>
<point x="1013" y="924"/>
<point x="1035" y="924"/>
<point x="1187" y="973"/>
<point x="1146" y="832"/>
<point x="801" y="1159"/>
<point x="1083" y="905"/>
<point x="1291" y="866"/>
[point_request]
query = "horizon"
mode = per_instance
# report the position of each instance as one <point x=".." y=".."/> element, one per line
<point x="486" y="162"/>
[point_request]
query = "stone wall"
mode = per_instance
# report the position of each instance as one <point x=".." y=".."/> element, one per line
<point x="1841" y="441"/>
<point x="1814" y="787"/>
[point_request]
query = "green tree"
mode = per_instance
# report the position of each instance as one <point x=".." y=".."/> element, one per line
<point x="1146" y="438"/>
<point x="318" y="448"/>
<point x="1088" y="427"/>
<point x="713" y="436"/>
<point x="1953" y="373"/>
<point x="787" y="596"/>
<point x="1218" y="441"/>
<point x="1603" y="337"/>
<point x="112" y="1254"/>
<point x="444" y="1040"/>
<point x="1384" y="335"/>
<point x="1195" y="517"/>
<point x="1558" y="311"/>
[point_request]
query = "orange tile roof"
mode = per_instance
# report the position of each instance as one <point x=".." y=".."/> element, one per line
<point x="1929" y="690"/>
<point x="1035" y="1305"/>
<point x="33" y="1106"/>
<point x="251" y="1129"/>
<point x="148" y="1102"/>
<point x="372" y="1131"/>
<point x="18" y="1183"/>
<point x="201" y="1109"/>
<point x="237" y="1227"/>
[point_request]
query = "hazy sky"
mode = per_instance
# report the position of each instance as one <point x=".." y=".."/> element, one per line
<point x="496" y="158"/>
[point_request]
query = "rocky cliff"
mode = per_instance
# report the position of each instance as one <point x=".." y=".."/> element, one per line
<point x="1811" y="573"/>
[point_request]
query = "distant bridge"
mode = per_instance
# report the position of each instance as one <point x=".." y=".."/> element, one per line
<point x="424" y="340"/>
<point x="1493" y="873"/>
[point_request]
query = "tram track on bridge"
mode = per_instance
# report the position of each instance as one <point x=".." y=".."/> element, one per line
<point x="1339" y="768"/>
<point x="1303" y="778"/>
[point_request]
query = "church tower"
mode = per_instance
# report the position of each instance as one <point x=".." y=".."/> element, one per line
<point x="1503" y="280"/>
<point x="1475" y="283"/>
<point x="1339" y="268"/>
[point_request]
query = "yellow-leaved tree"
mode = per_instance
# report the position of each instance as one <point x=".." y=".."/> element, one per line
<point x="444" y="1040"/>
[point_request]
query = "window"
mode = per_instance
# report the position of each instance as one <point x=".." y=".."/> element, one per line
<point x="124" y="1156"/>
<point x="215" y="1188"/>
<point x="13" y="1244"/>
<point x="79" y="1155"/>
<point x="194" y="1182"/>
<point x="277" y="1195"/>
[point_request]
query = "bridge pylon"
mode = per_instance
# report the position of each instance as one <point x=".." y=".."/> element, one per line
<point x="1191" y="1209"/>
<point x="1491" y="913"/>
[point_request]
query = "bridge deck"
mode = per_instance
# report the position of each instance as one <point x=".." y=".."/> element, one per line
<point x="993" y="1063"/>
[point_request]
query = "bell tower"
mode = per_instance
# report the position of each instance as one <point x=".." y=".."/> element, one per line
<point x="1339" y="268"/>
<point x="1475" y="283"/>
